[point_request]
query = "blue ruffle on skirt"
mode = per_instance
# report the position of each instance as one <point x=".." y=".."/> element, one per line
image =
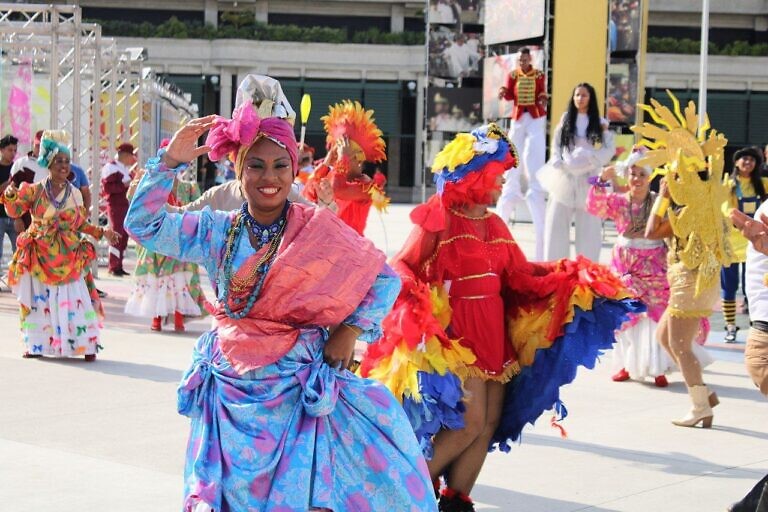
<point x="440" y="407"/>
<point x="537" y="388"/>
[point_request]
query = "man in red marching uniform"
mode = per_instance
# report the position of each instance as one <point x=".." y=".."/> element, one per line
<point x="115" y="178"/>
<point x="527" y="87"/>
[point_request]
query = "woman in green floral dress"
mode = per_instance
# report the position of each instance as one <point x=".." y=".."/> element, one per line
<point x="165" y="286"/>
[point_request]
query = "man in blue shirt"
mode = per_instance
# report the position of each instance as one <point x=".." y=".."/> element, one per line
<point x="79" y="179"/>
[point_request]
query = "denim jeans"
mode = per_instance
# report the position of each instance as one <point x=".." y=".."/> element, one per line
<point x="6" y="228"/>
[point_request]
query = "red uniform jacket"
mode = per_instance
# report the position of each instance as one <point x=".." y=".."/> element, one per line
<point x="528" y="91"/>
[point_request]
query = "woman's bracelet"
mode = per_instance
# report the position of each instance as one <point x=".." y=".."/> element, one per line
<point x="11" y="194"/>
<point x="353" y="328"/>
<point x="660" y="207"/>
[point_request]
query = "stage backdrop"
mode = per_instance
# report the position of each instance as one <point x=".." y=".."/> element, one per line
<point x="515" y="20"/>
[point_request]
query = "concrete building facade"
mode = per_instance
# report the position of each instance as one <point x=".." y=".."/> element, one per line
<point x="390" y="78"/>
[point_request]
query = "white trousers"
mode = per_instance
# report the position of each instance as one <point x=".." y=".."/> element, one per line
<point x="557" y="231"/>
<point x="528" y="136"/>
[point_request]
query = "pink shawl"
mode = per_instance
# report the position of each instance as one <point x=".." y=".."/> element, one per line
<point x="321" y="273"/>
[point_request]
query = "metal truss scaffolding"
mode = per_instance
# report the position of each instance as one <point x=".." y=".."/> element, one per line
<point x="101" y="94"/>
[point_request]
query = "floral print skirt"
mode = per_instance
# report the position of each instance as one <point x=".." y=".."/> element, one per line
<point x="296" y="435"/>
<point x="57" y="320"/>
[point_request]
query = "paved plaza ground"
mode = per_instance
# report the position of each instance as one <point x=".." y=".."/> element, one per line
<point x="105" y="436"/>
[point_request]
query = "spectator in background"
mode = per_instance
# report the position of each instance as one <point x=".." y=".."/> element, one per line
<point x="8" y="145"/>
<point x="27" y="168"/>
<point x="209" y="173"/>
<point x="748" y="191"/>
<point x="764" y="166"/>
<point x="79" y="178"/>
<point x="115" y="177"/>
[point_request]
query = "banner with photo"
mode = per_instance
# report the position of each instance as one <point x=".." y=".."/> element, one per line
<point x="514" y="20"/>
<point x="624" y="25"/>
<point x="451" y="109"/>
<point x="31" y="104"/>
<point x="621" y="100"/>
<point x="496" y="70"/>
<point x="451" y="12"/>
<point x="454" y="55"/>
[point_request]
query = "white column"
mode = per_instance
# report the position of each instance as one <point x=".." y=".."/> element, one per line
<point x="419" y="183"/>
<point x="703" y="61"/>
<point x="397" y="19"/>
<point x="212" y="12"/>
<point x="262" y="11"/>
<point x="225" y="92"/>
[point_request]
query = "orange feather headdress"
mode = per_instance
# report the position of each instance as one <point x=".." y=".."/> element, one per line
<point x="350" y="119"/>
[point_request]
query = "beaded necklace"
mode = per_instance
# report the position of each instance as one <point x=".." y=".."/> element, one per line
<point x="637" y="224"/>
<point x="261" y="233"/>
<point x="227" y="281"/>
<point x="52" y="197"/>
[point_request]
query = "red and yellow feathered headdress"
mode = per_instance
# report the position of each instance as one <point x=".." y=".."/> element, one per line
<point x="350" y="119"/>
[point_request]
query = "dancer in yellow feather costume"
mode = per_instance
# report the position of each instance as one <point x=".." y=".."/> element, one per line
<point x="688" y="211"/>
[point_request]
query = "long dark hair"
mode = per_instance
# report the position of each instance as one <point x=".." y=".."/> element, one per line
<point x="754" y="178"/>
<point x="594" y="129"/>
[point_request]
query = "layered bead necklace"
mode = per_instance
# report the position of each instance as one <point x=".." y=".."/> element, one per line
<point x="264" y="235"/>
<point x="52" y="197"/>
<point x="637" y="223"/>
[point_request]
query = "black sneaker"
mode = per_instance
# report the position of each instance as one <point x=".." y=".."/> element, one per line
<point x="730" y="333"/>
<point x="100" y="293"/>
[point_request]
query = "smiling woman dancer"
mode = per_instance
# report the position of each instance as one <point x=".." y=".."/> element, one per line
<point x="278" y="423"/>
<point x="50" y="273"/>
<point x="640" y="263"/>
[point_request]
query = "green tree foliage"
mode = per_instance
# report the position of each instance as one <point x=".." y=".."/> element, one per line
<point x="691" y="47"/>
<point x="242" y="25"/>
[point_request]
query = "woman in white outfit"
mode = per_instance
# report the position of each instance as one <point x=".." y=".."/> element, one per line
<point x="581" y="146"/>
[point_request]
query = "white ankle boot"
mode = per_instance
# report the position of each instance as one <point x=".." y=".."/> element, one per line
<point x="701" y="411"/>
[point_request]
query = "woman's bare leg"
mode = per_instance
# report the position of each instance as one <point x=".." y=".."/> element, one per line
<point x="662" y="335"/>
<point x="448" y="444"/>
<point x="682" y="331"/>
<point x="466" y="468"/>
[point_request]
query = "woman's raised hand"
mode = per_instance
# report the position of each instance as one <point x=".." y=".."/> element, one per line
<point x="608" y="173"/>
<point x="183" y="147"/>
<point x="663" y="188"/>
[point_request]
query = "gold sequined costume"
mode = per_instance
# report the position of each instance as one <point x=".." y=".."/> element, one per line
<point x="693" y="166"/>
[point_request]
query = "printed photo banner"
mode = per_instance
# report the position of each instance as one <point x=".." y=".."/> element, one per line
<point x="454" y="109"/>
<point x="513" y="20"/>
<point x="496" y="70"/>
<point x="25" y="101"/>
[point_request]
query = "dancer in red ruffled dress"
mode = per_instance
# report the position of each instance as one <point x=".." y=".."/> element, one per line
<point x="480" y="340"/>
